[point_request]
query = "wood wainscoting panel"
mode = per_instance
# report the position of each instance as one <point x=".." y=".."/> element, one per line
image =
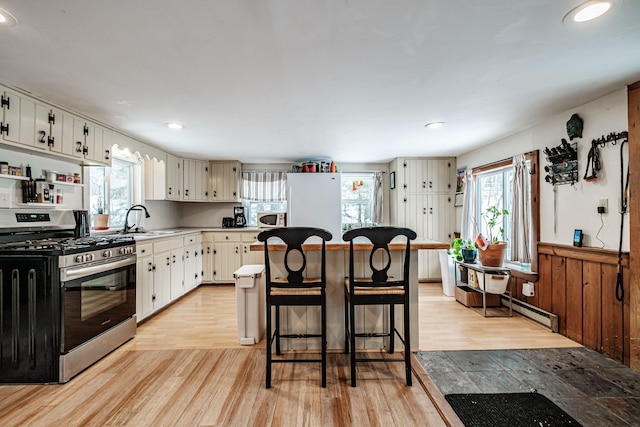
<point x="558" y="292"/>
<point x="573" y="289"/>
<point x="591" y="305"/>
<point x="581" y="285"/>
<point x="612" y="322"/>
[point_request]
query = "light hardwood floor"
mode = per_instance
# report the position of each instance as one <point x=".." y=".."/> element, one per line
<point x="445" y="324"/>
<point x="185" y="367"/>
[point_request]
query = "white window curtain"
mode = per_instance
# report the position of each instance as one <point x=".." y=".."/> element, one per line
<point x="378" y="216"/>
<point x="520" y="212"/>
<point x="264" y="186"/>
<point x="468" y="229"/>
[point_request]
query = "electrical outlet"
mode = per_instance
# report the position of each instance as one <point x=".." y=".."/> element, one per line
<point x="528" y="289"/>
<point x="5" y="198"/>
<point x="604" y="204"/>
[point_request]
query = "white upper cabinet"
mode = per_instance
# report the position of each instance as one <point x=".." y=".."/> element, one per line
<point x="225" y="181"/>
<point x="154" y="179"/>
<point x="18" y="118"/>
<point x="174" y="178"/>
<point x="195" y="180"/>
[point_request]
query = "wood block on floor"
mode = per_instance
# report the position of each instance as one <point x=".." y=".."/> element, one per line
<point x="471" y="298"/>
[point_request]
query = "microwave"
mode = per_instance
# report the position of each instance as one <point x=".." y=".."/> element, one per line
<point x="272" y="219"/>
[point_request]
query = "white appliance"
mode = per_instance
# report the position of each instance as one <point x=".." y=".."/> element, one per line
<point x="314" y="200"/>
<point x="272" y="219"/>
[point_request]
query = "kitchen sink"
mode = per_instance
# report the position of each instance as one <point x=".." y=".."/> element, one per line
<point x="152" y="233"/>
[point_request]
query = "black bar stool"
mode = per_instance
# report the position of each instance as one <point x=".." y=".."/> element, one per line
<point x="377" y="288"/>
<point x="295" y="289"/>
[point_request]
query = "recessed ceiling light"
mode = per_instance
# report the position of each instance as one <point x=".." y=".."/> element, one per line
<point x="588" y="11"/>
<point x="434" y="125"/>
<point x="174" y="126"/>
<point x="7" y="19"/>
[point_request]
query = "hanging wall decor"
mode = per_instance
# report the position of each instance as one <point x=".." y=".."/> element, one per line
<point x="564" y="163"/>
<point x="574" y="127"/>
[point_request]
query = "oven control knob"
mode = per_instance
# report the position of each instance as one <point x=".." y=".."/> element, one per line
<point x="129" y="250"/>
<point x="107" y="254"/>
<point x="80" y="258"/>
<point x="88" y="257"/>
<point x="121" y="251"/>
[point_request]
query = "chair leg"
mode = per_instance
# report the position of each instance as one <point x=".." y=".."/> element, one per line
<point x="352" y="339"/>
<point x="407" y="342"/>
<point x="324" y="342"/>
<point x="346" y="322"/>
<point x="392" y="328"/>
<point x="268" y="349"/>
<point x="278" y="352"/>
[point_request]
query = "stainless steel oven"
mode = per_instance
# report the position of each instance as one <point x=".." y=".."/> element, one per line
<point x="96" y="297"/>
<point x="66" y="301"/>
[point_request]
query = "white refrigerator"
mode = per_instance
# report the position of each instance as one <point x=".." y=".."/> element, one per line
<point x="314" y="200"/>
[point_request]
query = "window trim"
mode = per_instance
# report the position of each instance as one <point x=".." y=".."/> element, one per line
<point x="534" y="160"/>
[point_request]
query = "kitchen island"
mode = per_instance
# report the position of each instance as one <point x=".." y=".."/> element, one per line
<point x="298" y="319"/>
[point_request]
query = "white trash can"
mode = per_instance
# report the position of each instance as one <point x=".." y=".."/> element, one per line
<point x="447" y="268"/>
<point x="250" y="302"/>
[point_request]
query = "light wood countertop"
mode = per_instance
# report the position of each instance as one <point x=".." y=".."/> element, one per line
<point x="419" y="244"/>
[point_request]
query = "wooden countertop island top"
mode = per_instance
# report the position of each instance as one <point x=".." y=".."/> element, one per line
<point x="418" y="244"/>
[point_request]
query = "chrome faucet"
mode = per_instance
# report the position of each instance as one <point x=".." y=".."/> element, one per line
<point x="126" y="217"/>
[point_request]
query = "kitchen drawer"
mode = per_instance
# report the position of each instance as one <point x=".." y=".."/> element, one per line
<point x="167" y="244"/>
<point x="144" y="249"/>
<point x="208" y="236"/>
<point x="190" y="239"/>
<point x="228" y="237"/>
<point x="250" y="237"/>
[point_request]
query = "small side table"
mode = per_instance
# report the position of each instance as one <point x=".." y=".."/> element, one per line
<point x="484" y="270"/>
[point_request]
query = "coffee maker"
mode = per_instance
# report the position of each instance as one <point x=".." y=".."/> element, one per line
<point x="82" y="224"/>
<point x="239" y="220"/>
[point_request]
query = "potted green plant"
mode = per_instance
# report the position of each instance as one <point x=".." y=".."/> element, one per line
<point x="463" y="250"/>
<point x="100" y="219"/>
<point x="493" y="254"/>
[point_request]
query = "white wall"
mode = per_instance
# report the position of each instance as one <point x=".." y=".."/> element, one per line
<point x="577" y="204"/>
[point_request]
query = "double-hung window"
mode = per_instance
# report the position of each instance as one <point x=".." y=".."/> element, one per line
<point x="495" y="186"/>
<point x="263" y="192"/>
<point x="357" y="189"/>
<point x="113" y="190"/>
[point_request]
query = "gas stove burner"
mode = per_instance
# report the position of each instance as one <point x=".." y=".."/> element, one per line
<point x="42" y="244"/>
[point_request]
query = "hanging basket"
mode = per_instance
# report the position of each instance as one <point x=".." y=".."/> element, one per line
<point x="493" y="256"/>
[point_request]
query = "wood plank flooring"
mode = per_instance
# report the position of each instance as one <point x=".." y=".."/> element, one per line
<point x="185" y="367"/>
<point x="445" y="324"/>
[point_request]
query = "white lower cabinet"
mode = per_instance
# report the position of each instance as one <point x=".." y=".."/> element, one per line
<point x="226" y="251"/>
<point x="166" y="269"/>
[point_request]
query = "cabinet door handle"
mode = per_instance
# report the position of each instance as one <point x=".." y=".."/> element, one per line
<point x="237" y="250"/>
<point x="78" y="146"/>
<point x="51" y="141"/>
<point x="150" y="267"/>
<point x="42" y="136"/>
<point x="424" y="184"/>
<point x="4" y="129"/>
<point x="168" y="261"/>
<point x="106" y="154"/>
<point x="174" y="259"/>
<point x="170" y="193"/>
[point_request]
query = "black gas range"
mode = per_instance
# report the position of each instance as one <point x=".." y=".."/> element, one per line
<point x="65" y="301"/>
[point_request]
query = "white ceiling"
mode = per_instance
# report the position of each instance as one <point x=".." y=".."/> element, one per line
<point x="286" y="80"/>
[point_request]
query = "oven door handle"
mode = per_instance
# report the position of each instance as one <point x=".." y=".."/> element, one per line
<point x="76" y="273"/>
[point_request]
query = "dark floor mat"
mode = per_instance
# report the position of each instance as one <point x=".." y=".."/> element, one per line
<point x="508" y="409"/>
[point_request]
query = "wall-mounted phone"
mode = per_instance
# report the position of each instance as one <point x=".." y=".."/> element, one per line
<point x="577" y="238"/>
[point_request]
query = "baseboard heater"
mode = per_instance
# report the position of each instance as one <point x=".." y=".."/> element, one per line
<point x="542" y="317"/>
